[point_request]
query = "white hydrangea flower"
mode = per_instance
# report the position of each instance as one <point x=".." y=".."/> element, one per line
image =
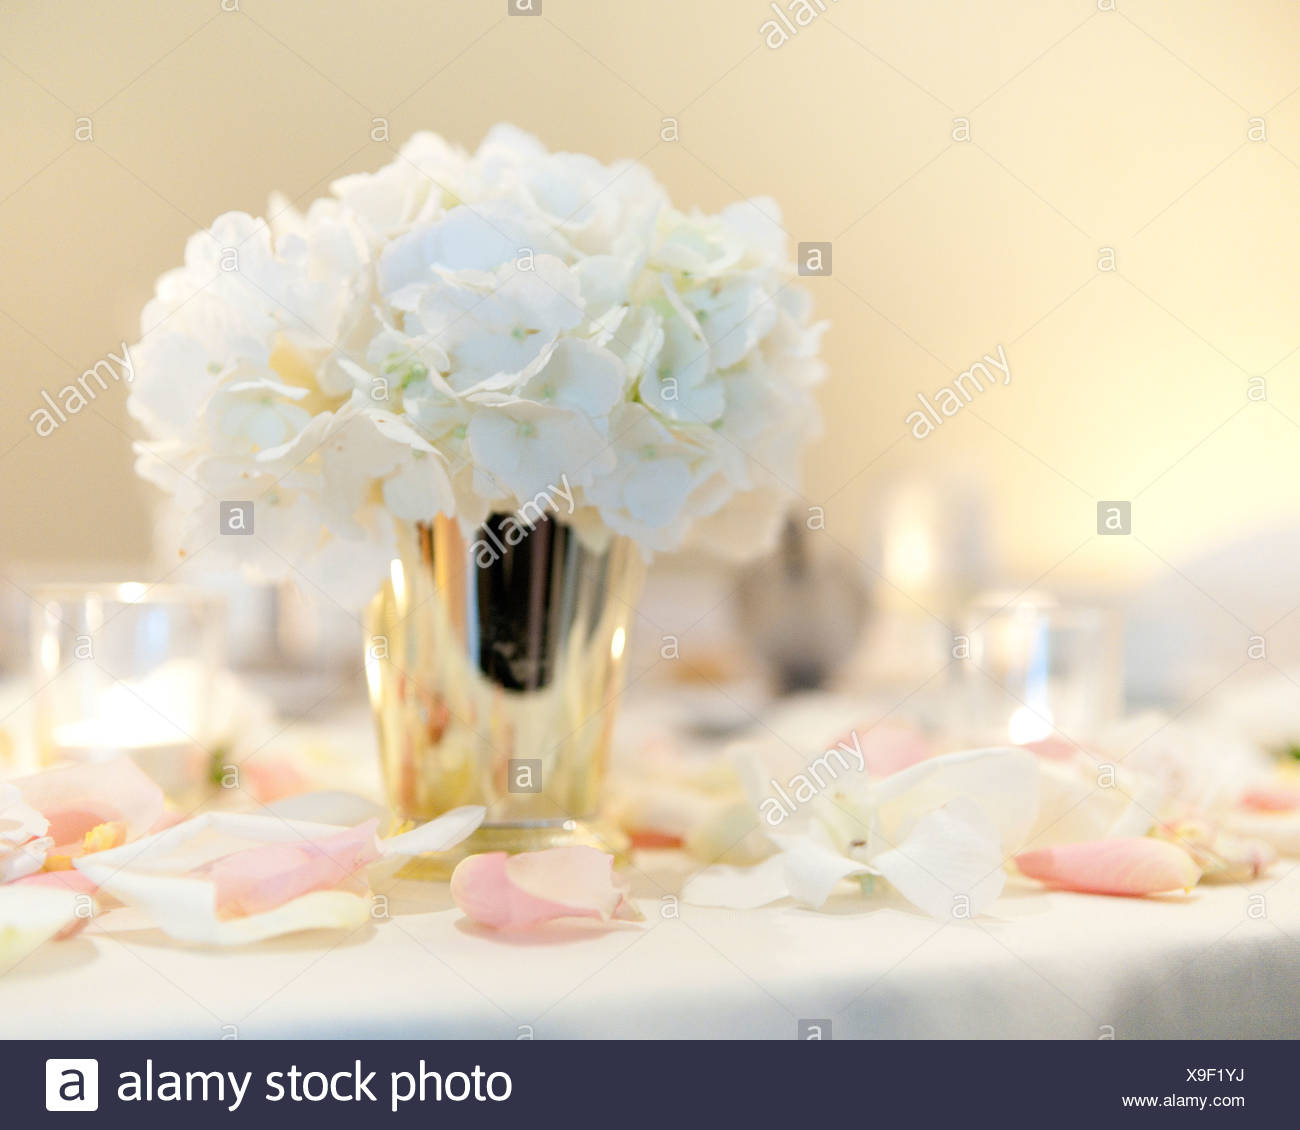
<point x="496" y="324"/>
<point x="258" y="413"/>
<point x="651" y="481"/>
<point x="524" y="448"/>
<point x="455" y="333"/>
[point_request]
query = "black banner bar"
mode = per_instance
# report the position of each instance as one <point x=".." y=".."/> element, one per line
<point x="620" y="1085"/>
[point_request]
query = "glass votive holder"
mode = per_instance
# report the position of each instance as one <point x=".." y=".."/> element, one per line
<point x="127" y="669"/>
<point x="1033" y="670"/>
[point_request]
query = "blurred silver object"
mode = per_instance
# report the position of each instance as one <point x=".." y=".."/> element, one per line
<point x="1034" y="670"/>
<point x="127" y="669"/>
<point x="802" y="612"/>
<point x="928" y="538"/>
<point x="927" y="541"/>
<point x="296" y="645"/>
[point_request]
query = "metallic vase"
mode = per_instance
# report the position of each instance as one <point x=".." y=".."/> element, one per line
<point x="494" y="666"/>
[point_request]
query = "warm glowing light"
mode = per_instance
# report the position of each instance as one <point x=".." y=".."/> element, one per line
<point x="909" y="555"/>
<point x="398" y="576"/>
<point x="617" y="643"/>
<point x="131" y="592"/>
<point x="49" y="653"/>
<point x="1029" y="725"/>
<point x="374" y="676"/>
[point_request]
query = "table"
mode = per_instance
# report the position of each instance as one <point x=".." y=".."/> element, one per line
<point x="1040" y="965"/>
<point x="1043" y="965"/>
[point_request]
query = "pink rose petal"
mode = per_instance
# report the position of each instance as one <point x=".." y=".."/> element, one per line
<point x="887" y="747"/>
<point x="510" y="892"/>
<point x="169" y="819"/>
<point x="1272" y="798"/>
<point x="224" y="878"/>
<point x="78" y="798"/>
<point x="651" y="840"/>
<point x="1053" y="748"/>
<point x="73" y="881"/>
<point x="264" y="877"/>
<point x="273" y="780"/>
<point x="1124" y="866"/>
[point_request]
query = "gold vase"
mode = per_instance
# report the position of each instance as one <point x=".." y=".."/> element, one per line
<point x="494" y="665"/>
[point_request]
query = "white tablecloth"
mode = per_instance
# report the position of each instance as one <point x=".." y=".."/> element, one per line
<point x="1044" y="965"/>
<point x="1041" y="965"/>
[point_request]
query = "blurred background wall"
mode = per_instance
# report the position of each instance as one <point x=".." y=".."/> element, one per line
<point x="978" y="168"/>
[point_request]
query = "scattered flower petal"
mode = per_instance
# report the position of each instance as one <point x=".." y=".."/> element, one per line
<point x="224" y="879"/>
<point x="1053" y="748"/>
<point x="510" y="892"/>
<point x="938" y="831"/>
<point x="77" y="799"/>
<point x="19" y="822"/>
<point x="68" y="883"/>
<point x="814" y="866"/>
<point x="1281" y="830"/>
<point x="1073" y="808"/>
<point x="1221" y="856"/>
<point x="1275" y="797"/>
<point x="23" y="842"/>
<point x="1126" y="866"/>
<point x="261" y="878"/>
<point x="888" y="747"/>
<point x="73" y="881"/>
<point x="1004" y="782"/>
<point x="650" y="840"/>
<point x="31" y="916"/>
<point x="950" y="864"/>
<point x="446" y="831"/>
<point x="327" y="806"/>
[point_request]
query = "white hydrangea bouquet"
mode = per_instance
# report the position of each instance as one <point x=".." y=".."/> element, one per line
<point x="459" y="334"/>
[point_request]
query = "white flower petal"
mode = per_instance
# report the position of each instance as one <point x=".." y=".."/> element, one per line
<point x="163" y="875"/>
<point x="814" y="867"/>
<point x="29" y="917"/>
<point x="950" y="864"/>
<point x="437" y="835"/>
<point x="19" y="822"/>
<point x="1002" y="781"/>
<point x="26" y="859"/>
<point x="580" y="376"/>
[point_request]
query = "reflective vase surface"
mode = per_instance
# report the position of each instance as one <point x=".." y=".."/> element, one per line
<point x="494" y="666"/>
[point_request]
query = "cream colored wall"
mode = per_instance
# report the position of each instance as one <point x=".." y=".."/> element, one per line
<point x="1089" y="128"/>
